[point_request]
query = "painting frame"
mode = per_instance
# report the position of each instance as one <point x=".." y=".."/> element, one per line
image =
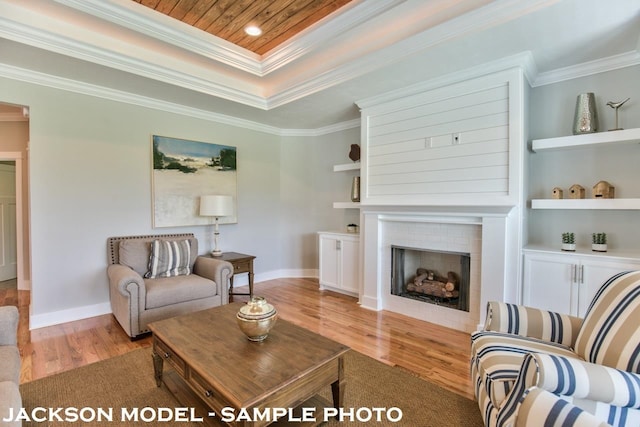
<point x="182" y="170"/>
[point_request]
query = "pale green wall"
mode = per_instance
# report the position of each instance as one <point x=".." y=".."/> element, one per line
<point x="91" y="179"/>
<point x="552" y="111"/>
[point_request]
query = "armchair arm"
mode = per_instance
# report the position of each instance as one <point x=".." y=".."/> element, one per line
<point x="128" y="293"/>
<point x="9" y="325"/>
<point x="542" y="408"/>
<point x="217" y="270"/>
<point x="532" y="322"/>
<point x="604" y="390"/>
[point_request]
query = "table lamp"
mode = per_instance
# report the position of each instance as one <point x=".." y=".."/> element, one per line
<point x="216" y="206"/>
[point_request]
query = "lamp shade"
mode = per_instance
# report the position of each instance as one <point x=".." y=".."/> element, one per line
<point x="216" y="205"/>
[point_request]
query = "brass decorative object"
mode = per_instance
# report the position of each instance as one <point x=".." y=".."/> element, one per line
<point x="556" y="193"/>
<point x="604" y="190"/>
<point x="256" y="319"/>
<point x="576" y="191"/>
<point x="355" y="189"/>
<point x="586" y="116"/>
<point x="615" y="106"/>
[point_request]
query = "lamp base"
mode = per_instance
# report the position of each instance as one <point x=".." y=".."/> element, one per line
<point x="216" y="252"/>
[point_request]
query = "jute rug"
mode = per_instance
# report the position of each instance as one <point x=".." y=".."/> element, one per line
<point x="127" y="382"/>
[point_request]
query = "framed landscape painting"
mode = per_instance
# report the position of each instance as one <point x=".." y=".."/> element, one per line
<point x="183" y="171"/>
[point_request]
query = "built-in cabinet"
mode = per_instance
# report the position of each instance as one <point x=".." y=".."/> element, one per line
<point x="566" y="282"/>
<point x="339" y="266"/>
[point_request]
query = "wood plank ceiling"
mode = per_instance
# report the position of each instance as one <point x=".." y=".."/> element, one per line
<point x="279" y="20"/>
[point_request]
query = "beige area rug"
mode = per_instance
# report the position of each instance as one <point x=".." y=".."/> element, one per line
<point x="127" y="382"/>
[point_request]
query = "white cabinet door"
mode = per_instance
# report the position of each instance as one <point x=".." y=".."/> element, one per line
<point x="593" y="274"/>
<point x="329" y="274"/>
<point x="568" y="283"/>
<point x="339" y="262"/>
<point x="350" y="265"/>
<point x="549" y="283"/>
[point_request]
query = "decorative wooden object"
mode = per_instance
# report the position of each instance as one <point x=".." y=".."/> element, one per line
<point x="576" y="191"/>
<point x="603" y="190"/>
<point x="556" y="193"/>
<point x="354" y="152"/>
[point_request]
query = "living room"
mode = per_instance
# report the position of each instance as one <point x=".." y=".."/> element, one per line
<point x="88" y="177"/>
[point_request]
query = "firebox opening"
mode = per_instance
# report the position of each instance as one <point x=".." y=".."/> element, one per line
<point x="435" y="277"/>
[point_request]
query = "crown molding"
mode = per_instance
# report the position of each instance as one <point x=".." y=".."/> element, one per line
<point x="602" y="65"/>
<point x="55" y="82"/>
<point x="144" y="20"/>
<point x="355" y="14"/>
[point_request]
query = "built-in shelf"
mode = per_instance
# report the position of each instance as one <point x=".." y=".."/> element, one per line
<point x="591" y="204"/>
<point x="346" y="167"/>
<point x="346" y="205"/>
<point x="587" y="140"/>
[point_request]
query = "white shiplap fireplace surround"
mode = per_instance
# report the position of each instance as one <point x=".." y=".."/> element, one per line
<point x="442" y="170"/>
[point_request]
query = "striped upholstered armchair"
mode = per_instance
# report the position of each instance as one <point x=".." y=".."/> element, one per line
<point x="532" y="367"/>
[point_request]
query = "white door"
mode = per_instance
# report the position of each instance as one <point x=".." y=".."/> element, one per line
<point x="549" y="283"/>
<point x="593" y="275"/>
<point x="350" y="264"/>
<point x="8" y="253"/>
<point x="329" y="268"/>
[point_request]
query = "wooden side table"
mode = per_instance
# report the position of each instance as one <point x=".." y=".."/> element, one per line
<point x="242" y="263"/>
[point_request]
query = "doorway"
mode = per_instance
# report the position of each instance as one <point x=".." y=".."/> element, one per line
<point x="14" y="225"/>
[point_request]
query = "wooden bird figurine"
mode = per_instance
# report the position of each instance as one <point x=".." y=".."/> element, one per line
<point x="615" y="106"/>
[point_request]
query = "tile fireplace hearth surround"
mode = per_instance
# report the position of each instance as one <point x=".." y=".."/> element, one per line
<point x="480" y="232"/>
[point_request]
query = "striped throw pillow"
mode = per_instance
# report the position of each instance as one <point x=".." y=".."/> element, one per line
<point x="169" y="258"/>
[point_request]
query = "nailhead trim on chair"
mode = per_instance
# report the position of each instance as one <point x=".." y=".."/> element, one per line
<point x="112" y="242"/>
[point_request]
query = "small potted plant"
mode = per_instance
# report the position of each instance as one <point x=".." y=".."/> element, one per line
<point x="599" y="242"/>
<point x="568" y="242"/>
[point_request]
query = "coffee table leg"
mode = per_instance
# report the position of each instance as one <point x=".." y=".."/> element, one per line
<point x="157" y="368"/>
<point x="337" y="388"/>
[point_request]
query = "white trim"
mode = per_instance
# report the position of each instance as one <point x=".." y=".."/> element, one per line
<point x="78" y="313"/>
<point x="42" y="79"/>
<point x="601" y="65"/>
<point x="16" y="156"/>
<point x="69" y="315"/>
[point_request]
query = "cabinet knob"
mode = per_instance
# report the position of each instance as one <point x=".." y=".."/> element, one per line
<point x="167" y="355"/>
<point x="208" y="393"/>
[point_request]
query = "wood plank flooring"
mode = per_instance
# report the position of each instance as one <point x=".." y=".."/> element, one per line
<point x="432" y="352"/>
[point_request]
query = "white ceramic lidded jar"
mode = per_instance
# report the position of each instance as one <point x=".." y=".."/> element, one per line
<point x="256" y="318"/>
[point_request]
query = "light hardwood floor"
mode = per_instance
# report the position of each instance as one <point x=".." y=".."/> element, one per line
<point x="435" y="353"/>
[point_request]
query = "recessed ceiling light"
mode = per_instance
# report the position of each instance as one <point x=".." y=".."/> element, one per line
<point x="252" y="30"/>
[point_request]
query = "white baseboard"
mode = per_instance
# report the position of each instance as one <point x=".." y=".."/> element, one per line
<point x="69" y="315"/>
<point x="77" y="313"/>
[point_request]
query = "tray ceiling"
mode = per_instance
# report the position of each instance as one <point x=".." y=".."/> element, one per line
<point x="127" y="51"/>
<point x="279" y="20"/>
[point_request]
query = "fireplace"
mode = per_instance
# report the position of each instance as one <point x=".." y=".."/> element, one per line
<point x="431" y="276"/>
<point x="482" y="234"/>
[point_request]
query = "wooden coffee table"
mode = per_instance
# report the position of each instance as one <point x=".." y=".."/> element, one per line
<point x="215" y="367"/>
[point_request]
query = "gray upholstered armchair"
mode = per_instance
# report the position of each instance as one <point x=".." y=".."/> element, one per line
<point x="157" y="277"/>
